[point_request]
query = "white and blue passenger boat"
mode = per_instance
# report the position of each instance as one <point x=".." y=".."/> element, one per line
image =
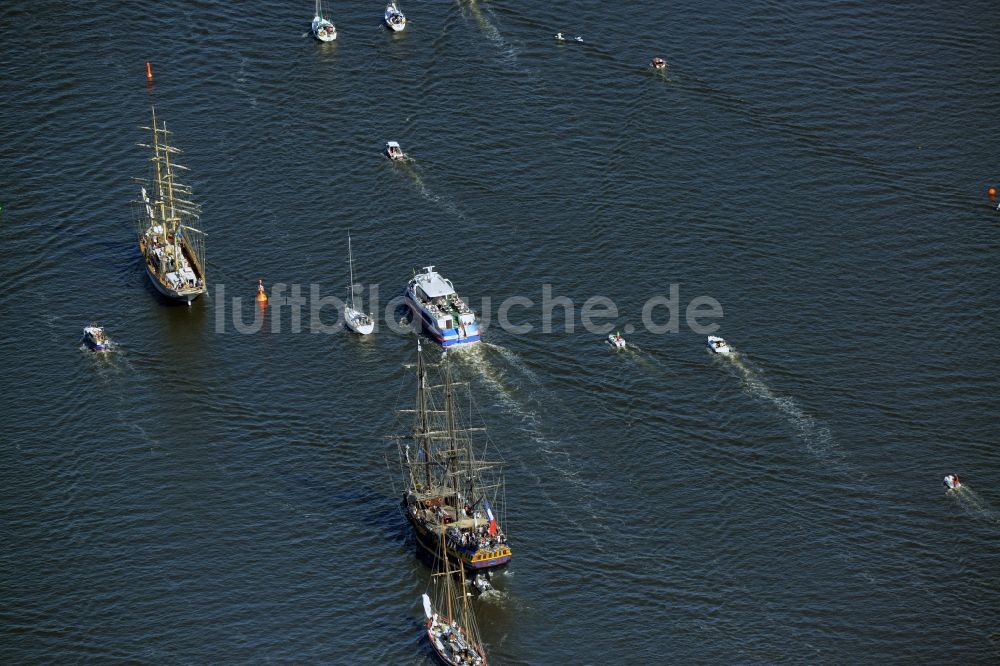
<point x="440" y="311"/>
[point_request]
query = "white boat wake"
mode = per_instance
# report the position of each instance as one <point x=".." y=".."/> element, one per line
<point x="816" y="437"/>
<point x="441" y="202"/>
<point x="973" y="504"/>
<point x="492" y="33"/>
<point x="477" y="361"/>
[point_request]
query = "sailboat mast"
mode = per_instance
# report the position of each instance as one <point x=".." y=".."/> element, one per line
<point x="170" y="181"/>
<point x="422" y="425"/>
<point x="350" y="263"/>
<point x="160" y="203"/>
<point x="447" y="577"/>
<point x="449" y="402"/>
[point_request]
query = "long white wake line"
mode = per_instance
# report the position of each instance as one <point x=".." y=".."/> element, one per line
<point x="816" y="437"/>
<point x="973" y="504"/>
<point x="557" y="459"/>
<point x="441" y="202"/>
<point x="492" y="33"/>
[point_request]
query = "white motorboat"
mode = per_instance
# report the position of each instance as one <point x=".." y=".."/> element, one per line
<point x="394" y="18"/>
<point x="440" y="311"/>
<point x="393" y="151"/>
<point x="95" y="338"/>
<point x="356" y="320"/>
<point x="658" y="63"/>
<point x="718" y="345"/>
<point x="559" y="37"/>
<point x="953" y="482"/>
<point x="617" y="341"/>
<point x="322" y="29"/>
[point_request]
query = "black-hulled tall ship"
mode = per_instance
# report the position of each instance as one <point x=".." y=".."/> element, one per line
<point x="172" y="247"/>
<point x="452" y="496"/>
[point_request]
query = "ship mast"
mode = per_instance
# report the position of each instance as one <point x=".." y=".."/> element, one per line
<point x="159" y="188"/>
<point x="350" y="262"/>
<point x="449" y="407"/>
<point x="422" y="425"/>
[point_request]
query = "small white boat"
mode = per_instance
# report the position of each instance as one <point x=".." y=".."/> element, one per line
<point x="718" y="345"/>
<point x="393" y="151"/>
<point x="394" y="18"/>
<point x="658" y="63"/>
<point x="95" y="338"/>
<point x="578" y="38"/>
<point x="617" y="341"/>
<point x="559" y="37"/>
<point x="322" y="29"/>
<point x="953" y="482"/>
<point x="356" y="320"/>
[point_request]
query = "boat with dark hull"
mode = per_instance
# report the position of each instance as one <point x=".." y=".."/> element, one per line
<point x="452" y="495"/>
<point x="172" y="247"/>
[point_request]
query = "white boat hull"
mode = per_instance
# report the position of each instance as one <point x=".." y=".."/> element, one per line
<point x="394" y="18"/>
<point x="449" y="337"/>
<point x="718" y="345"/>
<point x="323" y="30"/>
<point x="358" y="321"/>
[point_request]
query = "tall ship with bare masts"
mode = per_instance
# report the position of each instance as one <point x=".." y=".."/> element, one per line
<point x="453" y="495"/>
<point x="167" y="221"/>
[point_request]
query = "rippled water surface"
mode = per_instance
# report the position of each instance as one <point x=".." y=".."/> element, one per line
<point x="205" y="496"/>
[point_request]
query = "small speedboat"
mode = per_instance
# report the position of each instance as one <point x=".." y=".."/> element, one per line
<point x="578" y="38"/>
<point x="658" y="63"/>
<point x="322" y="29"/>
<point x="718" y="345"/>
<point x="393" y="151"/>
<point x="953" y="482"/>
<point x="95" y="338"/>
<point x="617" y="341"/>
<point x="394" y="18"/>
<point x="559" y="37"/>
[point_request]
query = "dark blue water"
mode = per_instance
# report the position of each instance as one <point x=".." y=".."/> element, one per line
<point x="206" y="496"/>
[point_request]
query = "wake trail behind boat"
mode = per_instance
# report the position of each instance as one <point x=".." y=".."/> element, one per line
<point x="492" y="33"/>
<point x="477" y="361"/>
<point x="443" y="203"/>
<point x="815" y="436"/>
<point x="973" y="504"/>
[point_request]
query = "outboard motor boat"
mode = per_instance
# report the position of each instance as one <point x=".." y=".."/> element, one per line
<point x="482" y="583"/>
<point x="718" y="345"/>
<point x="617" y="341"/>
<point x="953" y="482"/>
<point x="95" y="338"/>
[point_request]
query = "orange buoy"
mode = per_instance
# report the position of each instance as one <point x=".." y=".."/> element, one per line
<point x="261" y="294"/>
<point x="992" y="192"/>
<point x="149" y="72"/>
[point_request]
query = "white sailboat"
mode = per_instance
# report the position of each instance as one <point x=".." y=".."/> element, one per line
<point x="356" y="320"/>
<point x="322" y="29"/>
<point x="394" y="17"/>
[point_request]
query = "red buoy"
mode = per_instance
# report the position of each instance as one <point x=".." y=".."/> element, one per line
<point x="149" y="72"/>
<point x="992" y="192"/>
